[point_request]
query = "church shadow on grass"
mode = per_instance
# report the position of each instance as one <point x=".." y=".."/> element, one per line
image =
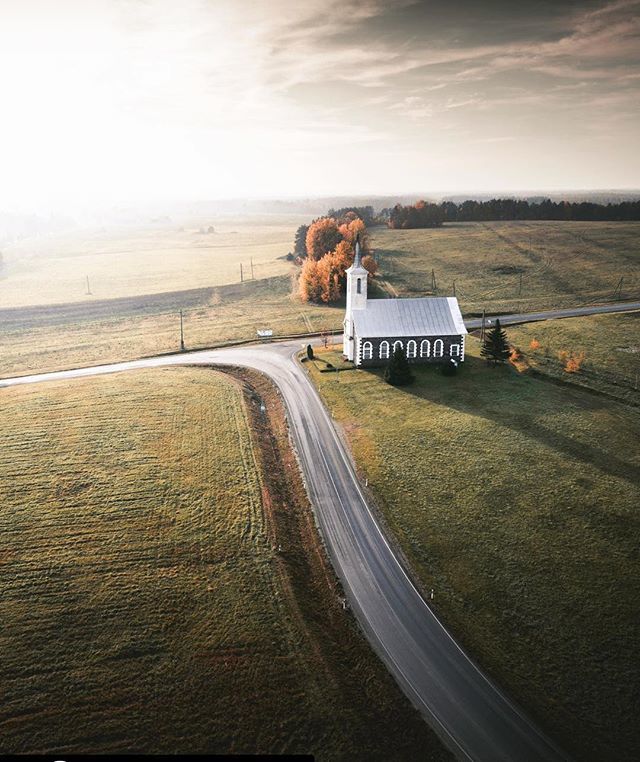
<point x="519" y="402"/>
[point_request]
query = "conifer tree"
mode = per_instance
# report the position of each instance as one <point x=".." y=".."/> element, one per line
<point x="300" y="242"/>
<point x="496" y="347"/>
<point x="398" y="371"/>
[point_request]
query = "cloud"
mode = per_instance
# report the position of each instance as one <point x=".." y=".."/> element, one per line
<point x="214" y="97"/>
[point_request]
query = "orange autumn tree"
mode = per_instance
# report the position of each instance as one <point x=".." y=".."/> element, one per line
<point x="329" y="274"/>
<point x="344" y="255"/>
<point x="309" y="286"/>
<point x="350" y="230"/>
<point x="322" y="237"/>
<point x="323" y="273"/>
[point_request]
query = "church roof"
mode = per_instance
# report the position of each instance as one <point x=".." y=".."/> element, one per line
<point x="426" y="316"/>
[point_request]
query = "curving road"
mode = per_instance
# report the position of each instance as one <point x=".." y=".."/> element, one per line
<point x="470" y="714"/>
<point x="473" y="718"/>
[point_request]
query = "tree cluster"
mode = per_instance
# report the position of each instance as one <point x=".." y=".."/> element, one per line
<point x="347" y="213"/>
<point x="425" y="215"/>
<point x="420" y="215"/>
<point x="328" y="253"/>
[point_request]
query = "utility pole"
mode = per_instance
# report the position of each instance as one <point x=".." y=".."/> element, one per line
<point x="482" y="326"/>
<point x="454" y="288"/>
<point x="181" y="333"/>
<point x="252" y="278"/>
<point x="434" y="286"/>
<point x="241" y="278"/>
<point x="88" y="287"/>
<point x="618" y="292"/>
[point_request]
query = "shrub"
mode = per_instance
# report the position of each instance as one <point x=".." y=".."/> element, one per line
<point x="572" y="361"/>
<point x="449" y="368"/>
<point x="398" y="371"/>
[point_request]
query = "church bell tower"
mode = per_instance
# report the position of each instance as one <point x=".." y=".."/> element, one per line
<point x="356" y="300"/>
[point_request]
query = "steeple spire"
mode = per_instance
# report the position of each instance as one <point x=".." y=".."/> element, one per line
<point x="356" y="259"/>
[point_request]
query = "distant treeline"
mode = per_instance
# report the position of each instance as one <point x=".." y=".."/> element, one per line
<point x="366" y="213"/>
<point x="425" y="215"/>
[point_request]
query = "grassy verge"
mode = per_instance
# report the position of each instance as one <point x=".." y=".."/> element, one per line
<point x="516" y="500"/>
<point x="163" y="586"/>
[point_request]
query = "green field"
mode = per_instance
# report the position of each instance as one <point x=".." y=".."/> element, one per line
<point x="163" y="587"/>
<point x="562" y="264"/>
<point x="517" y="500"/>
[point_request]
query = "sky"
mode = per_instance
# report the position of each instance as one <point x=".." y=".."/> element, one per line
<point x="121" y="101"/>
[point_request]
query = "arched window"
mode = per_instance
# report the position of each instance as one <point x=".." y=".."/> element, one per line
<point x="397" y="344"/>
<point x="438" y="348"/>
<point x="425" y="348"/>
<point x="384" y="350"/>
<point x="367" y="350"/>
<point x="455" y="350"/>
<point x="359" y="286"/>
<point x="412" y="348"/>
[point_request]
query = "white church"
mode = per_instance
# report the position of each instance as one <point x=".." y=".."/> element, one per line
<point x="430" y="329"/>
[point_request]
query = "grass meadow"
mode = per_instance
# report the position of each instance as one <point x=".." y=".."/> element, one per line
<point x="150" y="258"/>
<point x="517" y="500"/>
<point x="561" y="264"/>
<point x="141" y="277"/>
<point x="163" y="592"/>
<point x="34" y="339"/>
<point x="607" y="347"/>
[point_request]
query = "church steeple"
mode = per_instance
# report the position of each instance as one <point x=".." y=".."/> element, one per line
<point x="356" y="297"/>
<point x="356" y="259"/>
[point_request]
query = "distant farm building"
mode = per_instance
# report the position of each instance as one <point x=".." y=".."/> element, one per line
<point x="430" y="329"/>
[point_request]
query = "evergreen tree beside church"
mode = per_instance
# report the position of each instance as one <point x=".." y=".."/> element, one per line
<point x="398" y="371"/>
<point x="495" y="348"/>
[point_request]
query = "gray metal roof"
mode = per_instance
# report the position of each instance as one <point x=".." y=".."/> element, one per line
<point x="426" y="316"/>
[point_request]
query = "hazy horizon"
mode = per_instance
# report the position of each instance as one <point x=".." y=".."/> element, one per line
<point x="141" y="101"/>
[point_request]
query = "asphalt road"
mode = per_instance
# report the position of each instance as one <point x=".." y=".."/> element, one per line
<point x="533" y="317"/>
<point x="470" y="713"/>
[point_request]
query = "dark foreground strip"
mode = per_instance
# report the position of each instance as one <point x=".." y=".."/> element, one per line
<point x="156" y="758"/>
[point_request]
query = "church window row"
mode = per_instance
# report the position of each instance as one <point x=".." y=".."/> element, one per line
<point x="412" y="349"/>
